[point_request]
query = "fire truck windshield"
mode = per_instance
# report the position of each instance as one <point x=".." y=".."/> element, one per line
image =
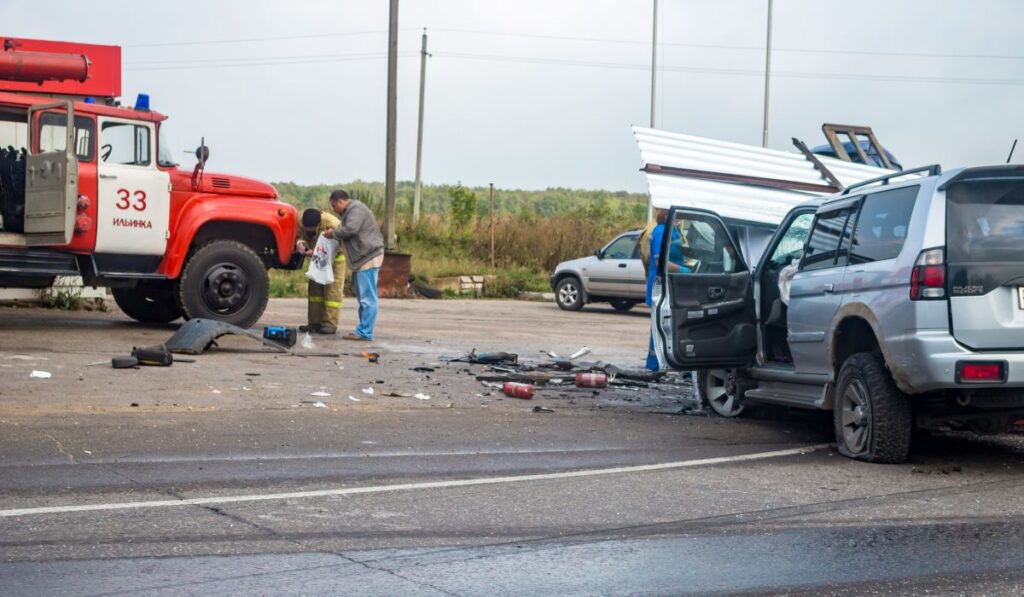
<point x="165" y="155"/>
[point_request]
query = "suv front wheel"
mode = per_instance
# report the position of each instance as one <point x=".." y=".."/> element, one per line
<point x="873" y="418"/>
<point x="719" y="391"/>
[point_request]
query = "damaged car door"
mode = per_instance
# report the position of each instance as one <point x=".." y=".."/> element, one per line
<point x="704" y="311"/>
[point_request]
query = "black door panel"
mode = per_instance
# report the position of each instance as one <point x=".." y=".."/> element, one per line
<point x="713" y="319"/>
<point x="706" y="314"/>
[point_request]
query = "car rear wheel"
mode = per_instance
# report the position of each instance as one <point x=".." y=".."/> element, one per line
<point x="226" y="281"/>
<point x="622" y="305"/>
<point x="569" y="294"/>
<point x="873" y="419"/>
<point x="148" y="302"/>
<point x="719" y="392"/>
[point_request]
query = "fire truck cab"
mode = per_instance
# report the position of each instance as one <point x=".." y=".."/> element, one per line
<point x="90" y="188"/>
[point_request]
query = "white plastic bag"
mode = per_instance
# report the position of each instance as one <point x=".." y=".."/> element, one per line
<point x="321" y="268"/>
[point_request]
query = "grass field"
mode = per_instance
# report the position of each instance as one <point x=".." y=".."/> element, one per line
<point x="533" y="232"/>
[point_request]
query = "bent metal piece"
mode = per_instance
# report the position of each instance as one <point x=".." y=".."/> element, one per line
<point x="197" y="335"/>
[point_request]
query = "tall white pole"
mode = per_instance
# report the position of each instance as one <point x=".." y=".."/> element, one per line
<point x="654" y="58"/>
<point x="767" y="75"/>
<point x="654" y="83"/>
<point x="419" y="132"/>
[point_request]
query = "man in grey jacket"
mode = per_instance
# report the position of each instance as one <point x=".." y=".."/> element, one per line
<point x="363" y="244"/>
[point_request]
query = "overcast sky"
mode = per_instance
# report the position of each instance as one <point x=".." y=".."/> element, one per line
<point x="541" y="93"/>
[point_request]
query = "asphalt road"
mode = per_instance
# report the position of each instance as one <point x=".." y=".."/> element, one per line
<point x="224" y="477"/>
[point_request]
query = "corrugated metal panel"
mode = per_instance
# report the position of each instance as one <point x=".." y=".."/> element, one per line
<point x="730" y="200"/>
<point x="736" y="201"/>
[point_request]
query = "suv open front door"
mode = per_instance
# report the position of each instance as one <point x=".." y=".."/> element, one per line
<point x="705" y="312"/>
<point x="51" y="180"/>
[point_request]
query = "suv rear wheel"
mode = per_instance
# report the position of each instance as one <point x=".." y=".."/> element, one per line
<point x="873" y="419"/>
<point x="569" y="294"/>
<point x="226" y="281"/>
<point x="719" y="392"/>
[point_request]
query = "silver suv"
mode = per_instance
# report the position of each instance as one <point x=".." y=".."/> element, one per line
<point x="615" y="273"/>
<point x="906" y="308"/>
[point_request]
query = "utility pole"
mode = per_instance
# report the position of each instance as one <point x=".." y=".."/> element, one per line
<point x="654" y="59"/>
<point x="419" y="131"/>
<point x="389" y="168"/>
<point x="492" y="225"/>
<point x="654" y="83"/>
<point x="767" y="75"/>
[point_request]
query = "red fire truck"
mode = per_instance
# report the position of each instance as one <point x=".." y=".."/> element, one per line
<point x="90" y="188"/>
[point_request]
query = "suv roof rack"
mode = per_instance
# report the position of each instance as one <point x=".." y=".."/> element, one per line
<point x="932" y="170"/>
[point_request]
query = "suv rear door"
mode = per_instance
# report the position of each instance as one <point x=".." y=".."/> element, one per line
<point x="704" y="316"/>
<point x="985" y="257"/>
<point x="817" y="290"/>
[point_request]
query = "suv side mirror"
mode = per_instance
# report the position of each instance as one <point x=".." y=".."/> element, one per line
<point x="599" y="254"/>
<point x="203" y="154"/>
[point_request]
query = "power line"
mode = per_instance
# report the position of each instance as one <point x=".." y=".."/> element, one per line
<point x="733" y="47"/>
<point x="582" y="39"/>
<point x="726" y="71"/>
<point x="340" y="58"/>
<point x="184" y="61"/>
<point x="244" y="40"/>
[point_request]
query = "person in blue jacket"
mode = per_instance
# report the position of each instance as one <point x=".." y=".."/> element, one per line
<point x="675" y="264"/>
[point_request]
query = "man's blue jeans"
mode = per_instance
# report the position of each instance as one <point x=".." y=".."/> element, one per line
<point x="366" y="292"/>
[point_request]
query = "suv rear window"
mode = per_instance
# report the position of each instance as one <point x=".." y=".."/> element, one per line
<point x="985" y="221"/>
<point x="882" y="225"/>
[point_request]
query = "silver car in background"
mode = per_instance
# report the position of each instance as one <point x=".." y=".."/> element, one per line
<point x="614" y="274"/>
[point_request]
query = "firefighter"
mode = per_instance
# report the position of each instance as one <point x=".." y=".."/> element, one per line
<point x="324" y="301"/>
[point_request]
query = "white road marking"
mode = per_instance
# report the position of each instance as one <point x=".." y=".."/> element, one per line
<point x="230" y="499"/>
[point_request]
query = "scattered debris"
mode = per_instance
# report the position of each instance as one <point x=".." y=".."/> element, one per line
<point x="395" y="394"/>
<point x="368" y="391"/>
<point x="320" y="394"/>
<point x="307" y="342"/>
<point x="485" y="358"/>
<point x="421" y="396"/>
<point x="423" y="369"/>
<point x="591" y="380"/>
<point x="124" y="363"/>
<point x="354" y="399"/>
<point x="196" y="336"/>
<point x="280" y="334"/>
<point x="134" y="404"/>
<point x="518" y="390"/>
<point x="319" y="404"/>
<point x="373" y="357"/>
<point x="40" y="374"/>
<point x="153" y="356"/>
<point x="543" y="409"/>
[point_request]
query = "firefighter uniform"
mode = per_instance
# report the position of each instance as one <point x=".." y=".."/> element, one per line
<point x="325" y="301"/>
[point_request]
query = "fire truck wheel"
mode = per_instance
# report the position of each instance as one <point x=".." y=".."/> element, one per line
<point x="226" y="281"/>
<point x="149" y="302"/>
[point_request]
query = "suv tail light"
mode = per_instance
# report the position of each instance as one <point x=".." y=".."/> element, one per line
<point x="928" y="278"/>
